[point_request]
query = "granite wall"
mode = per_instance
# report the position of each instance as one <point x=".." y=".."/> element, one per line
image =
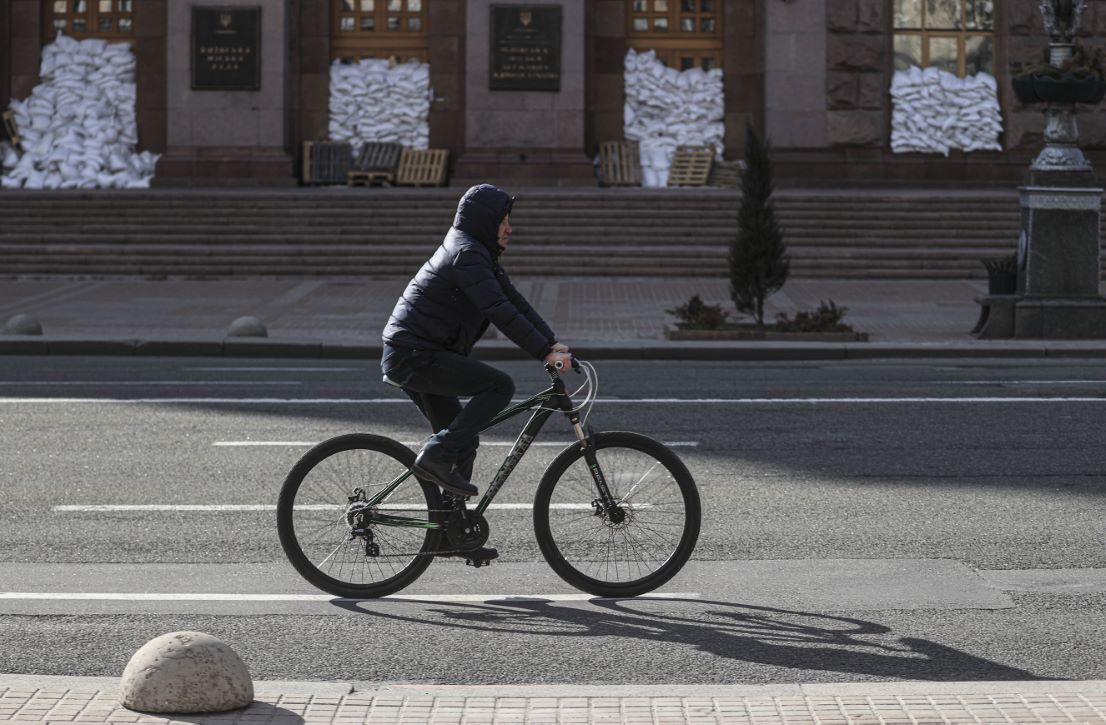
<point x="512" y="119"/>
<point x="858" y="72"/>
<point x="227" y="118"/>
<point x="795" y="73"/>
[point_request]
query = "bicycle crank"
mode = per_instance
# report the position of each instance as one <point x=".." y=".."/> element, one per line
<point x="466" y="530"/>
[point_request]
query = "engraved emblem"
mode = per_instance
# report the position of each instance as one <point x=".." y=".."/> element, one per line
<point x="525" y="18"/>
<point x="225" y="19"/>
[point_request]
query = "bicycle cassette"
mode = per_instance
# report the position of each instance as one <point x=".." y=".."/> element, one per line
<point x="466" y="530"/>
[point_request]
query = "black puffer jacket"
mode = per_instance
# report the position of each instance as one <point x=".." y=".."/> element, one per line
<point x="461" y="288"/>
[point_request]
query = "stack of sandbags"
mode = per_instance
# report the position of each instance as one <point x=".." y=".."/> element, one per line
<point x="371" y="102"/>
<point x="666" y="108"/>
<point x="78" y="126"/>
<point x="935" y="111"/>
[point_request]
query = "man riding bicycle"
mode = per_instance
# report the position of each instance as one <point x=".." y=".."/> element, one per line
<point x="441" y="314"/>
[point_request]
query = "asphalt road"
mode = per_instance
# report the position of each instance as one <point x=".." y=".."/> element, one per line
<point x="882" y="520"/>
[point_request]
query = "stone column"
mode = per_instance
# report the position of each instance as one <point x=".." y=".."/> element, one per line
<point x="446" y="25"/>
<point x="150" y="29"/>
<point x="606" y="79"/>
<point x="524" y="137"/>
<point x="227" y="137"/>
<point x="26" y="46"/>
<point x="795" y="74"/>
<point x="5" y="53"/>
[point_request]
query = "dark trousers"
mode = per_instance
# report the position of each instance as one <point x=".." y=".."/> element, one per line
<point x="434" y="380"/>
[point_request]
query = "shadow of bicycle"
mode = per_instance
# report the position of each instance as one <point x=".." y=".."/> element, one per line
<point x="736" y="632"/>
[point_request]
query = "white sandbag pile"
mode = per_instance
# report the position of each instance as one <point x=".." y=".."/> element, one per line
<point x="78" y="126"/>
<point x="372" y="103"/>
<point x="666" y="108"/>
<point x="935" y="111"/>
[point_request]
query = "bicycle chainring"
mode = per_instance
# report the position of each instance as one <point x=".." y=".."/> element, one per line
<point x="466" y="530"/>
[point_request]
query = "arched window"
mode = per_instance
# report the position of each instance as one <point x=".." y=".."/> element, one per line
<point x="684" y="33"/>
<point x="380" y="29"/>
<point x="954" y="35"/>
<point x="107" y="19"/>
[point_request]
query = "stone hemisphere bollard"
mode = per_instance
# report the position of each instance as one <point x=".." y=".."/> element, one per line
<point x="247" y="327"/>
<point x="186" y="672"/>
<point x="23" y="325"/>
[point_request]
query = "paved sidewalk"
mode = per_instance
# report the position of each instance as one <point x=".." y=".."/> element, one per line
<point x="606" y="317"/>
<point x="93" y="700"/>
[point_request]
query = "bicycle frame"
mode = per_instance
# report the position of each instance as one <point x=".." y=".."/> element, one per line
<point x="556" y="395"/>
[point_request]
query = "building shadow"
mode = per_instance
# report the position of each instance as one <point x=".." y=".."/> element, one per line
<point x="759" y="635"/>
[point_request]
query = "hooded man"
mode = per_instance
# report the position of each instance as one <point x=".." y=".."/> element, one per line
<point x="445" y="309"/>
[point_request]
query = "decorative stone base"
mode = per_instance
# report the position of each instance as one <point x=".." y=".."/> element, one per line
<point x="523" y="167"/>
<point x="751" y="334"/>
<point x="1060" y="319"/>
<point x="225" y="166"/>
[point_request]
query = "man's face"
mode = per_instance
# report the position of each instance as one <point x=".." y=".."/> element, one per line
<point x="504" y="234"/>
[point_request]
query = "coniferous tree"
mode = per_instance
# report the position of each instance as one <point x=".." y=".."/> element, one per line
<point x="758" y="257"/>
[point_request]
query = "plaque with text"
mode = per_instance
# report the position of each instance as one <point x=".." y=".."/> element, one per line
<point x="226" y="48"/>
<point x="526" y="48"/>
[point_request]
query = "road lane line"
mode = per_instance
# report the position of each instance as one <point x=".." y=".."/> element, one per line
<point x="277" y="370"/>
<point x="149" y="382"/>
<point x="603" y="401"/>
<point x="549" y="444"/>
<point x="238" y="508"/>
<point x="216" y="597"/>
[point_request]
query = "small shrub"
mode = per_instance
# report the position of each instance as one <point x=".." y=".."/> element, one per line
<point x="699" y="316"/>
<point x="827" y="318"/>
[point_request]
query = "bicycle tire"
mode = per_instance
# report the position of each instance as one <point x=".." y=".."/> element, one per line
<point x="393" y="457"/>
<point x="568" y="557"/>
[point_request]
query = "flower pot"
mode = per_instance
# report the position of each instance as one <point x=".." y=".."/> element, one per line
<point x="1068" y="89"/>
<point x="1023" y="90"/>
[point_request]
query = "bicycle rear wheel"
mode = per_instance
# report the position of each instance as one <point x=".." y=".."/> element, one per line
<point x="315" y="520"/>
<point x="659" y="522"/>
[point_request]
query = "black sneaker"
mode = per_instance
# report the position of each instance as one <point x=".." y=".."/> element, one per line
<point x="442" y="474"/>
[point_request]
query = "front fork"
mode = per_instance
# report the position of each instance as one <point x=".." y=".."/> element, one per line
<point x="605" y="504"/>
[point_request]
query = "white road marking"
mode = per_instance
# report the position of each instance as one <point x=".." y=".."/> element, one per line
<point x="604" y="401"/>
<point x="549" y="444"/>
<point x="150" y="382"/>
<point x="278" y="370"/>
<point x="1021" y="382"/>
<point x="217" y="597"/>
<point x="234" y="508"/>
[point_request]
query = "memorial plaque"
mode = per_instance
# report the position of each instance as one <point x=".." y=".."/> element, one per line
<point x="226" y="48"/>
<point x="526" y="48"/>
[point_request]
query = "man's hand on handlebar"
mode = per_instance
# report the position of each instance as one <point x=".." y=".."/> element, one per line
<point x="560" y="347"/>
<point x="560" y="361"/>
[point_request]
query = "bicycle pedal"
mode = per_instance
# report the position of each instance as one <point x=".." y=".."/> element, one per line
<point x="477" y="563"/>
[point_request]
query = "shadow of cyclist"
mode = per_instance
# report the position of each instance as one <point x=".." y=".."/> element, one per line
<point x="763" y="635"/>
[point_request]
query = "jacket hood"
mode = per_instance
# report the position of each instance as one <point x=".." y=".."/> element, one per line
<point x="480" y="211"/>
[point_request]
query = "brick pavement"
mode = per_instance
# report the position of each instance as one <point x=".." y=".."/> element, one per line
<point x="915" y="703"/>
<point x="354" y="310"/>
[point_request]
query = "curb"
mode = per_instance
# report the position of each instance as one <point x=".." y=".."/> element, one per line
<point x="791" y="689"/>
<point x="698" y="351"/>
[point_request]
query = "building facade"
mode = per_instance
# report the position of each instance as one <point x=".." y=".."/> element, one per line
<point x="814" y="74"/>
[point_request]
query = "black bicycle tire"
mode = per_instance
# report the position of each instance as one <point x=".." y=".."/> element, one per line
<point x="693" y="516"/>
<point x="286" y="530"/>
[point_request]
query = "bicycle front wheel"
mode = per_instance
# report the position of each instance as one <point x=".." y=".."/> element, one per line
<point x="320" y="530"/>
<point x="639" y="549"/>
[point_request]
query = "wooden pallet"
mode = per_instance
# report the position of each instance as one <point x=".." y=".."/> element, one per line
<point x="378" y="157"/>
<point x="620" y="163"/>
<point x="726" y="174"/>
<point x="370" y="178"/>
<point x="422" y="167"/>
<point x="326" y="162"/>
<point x="11" y="131"/>
<point x="691" y="166"/>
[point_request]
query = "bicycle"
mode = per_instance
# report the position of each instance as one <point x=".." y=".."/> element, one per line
<point x="616" y="514"/>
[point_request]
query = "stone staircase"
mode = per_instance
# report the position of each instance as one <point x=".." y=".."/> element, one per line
<point x="339" y="231"/>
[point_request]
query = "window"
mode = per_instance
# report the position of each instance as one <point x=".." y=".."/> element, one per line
<point x="380" y="29"/>
<point x="684" y="33"/>
<point x="954" y="35"/>
<point x="108" y="19"/>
